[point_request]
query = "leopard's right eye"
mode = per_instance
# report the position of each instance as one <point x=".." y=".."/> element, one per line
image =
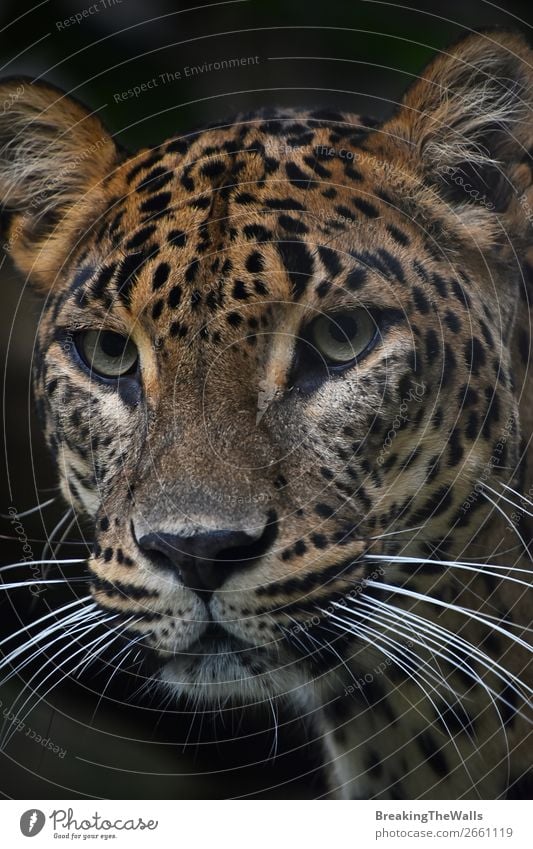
<point x="106" y="353"/>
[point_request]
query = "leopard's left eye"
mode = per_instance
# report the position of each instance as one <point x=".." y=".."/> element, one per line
<point x="342" y="337"/>
<point x="106" y="353"/>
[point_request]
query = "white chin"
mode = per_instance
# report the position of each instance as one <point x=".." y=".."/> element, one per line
<point x="239" y="676"/>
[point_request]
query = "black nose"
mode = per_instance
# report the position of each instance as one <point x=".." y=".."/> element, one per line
<point x="205" y="560"/>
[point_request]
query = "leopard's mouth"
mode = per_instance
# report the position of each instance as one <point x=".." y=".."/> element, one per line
<point x="218" y="664"/>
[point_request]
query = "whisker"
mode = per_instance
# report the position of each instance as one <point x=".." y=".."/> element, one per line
<point x="90" y="627"/>
<point x="401" y="531"/>
<point x="71" y="629"/>
<point x="129" y="649"/>
<point x="506" y="517"/>
<point x="456" y="564"/>
<point x="47" y="546"/>
<point x="520" y="495"/>
<point x="86" y="629"/>
<point x="448" y="637"/>
<point x="465" y="611"/>
<point x="44" y="618"/>
<point x="84" y="615"/>
<point x="504" y="498"/>
<point x="22" y="564"/>
<point x="414" y="675"/>
<point x="48" y="581"/>
<point x="29" y="512"/>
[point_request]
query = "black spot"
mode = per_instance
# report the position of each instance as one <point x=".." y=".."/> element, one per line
<point x="373" y="764"/>
<point x="178" y="329"/>
<point x="449" y="365"/>
<point x="284" y="203"/>
<point x="472" y="427"/>
<point x="203" y="202"/>
<point x="155" y="180"/>
<point x="398" y="235"/>
<point x="239" y="290"/>
<point x="487" y="335"/>
<point x="244" y="198"/>
<point x="456" y="448"/>
<point x="452" y="321"/>
<point x="177" y="238"/>
<point x="467" y="396"/>
<point x="156" y="204"/>
<point x="257" y="232"/>
<point x="330" y="260"/>
<point x="474" y="355"/>
<point x="324" y="511"/>
<point x="344" y="212"/>
<point x="439" y="284"/>
<point x="523" y="346"/>
<point x="292" y="225"/>
<point x="192" y="270"/>
<point x="432" y="344"/>
<point x="178" y="146"/>
<point x="127" y="273"/>
<point x="174" y="297"/>
<point x="393" y="264"/>
<point x="433" y="754"/>
<point x="146" y="163"/>
<point x="299" y="264"/>
<point x="100" y="284"/>
<point x="160" y="275"/>
<point x="365" y="207"/>
<point x="421" y="302"/>
<point x="213" y="169"/>
<point x="355" y="279"/>
<point x="157" y="309"/>
<point x="140" y="237"/>
<point x="323" y="288"/>
<point x="461" y="295"/>
<point x="234" y="319"/>
<point x="297" y="177"/>
<point x="255" y="263"/>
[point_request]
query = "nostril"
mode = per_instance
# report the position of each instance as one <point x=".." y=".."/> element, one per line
<point x="205" y="560"/>
<point x="252" y="548"/>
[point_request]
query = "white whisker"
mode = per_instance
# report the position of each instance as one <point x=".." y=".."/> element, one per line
<point x="449" y="606"/>
<point x="29" y="512"/>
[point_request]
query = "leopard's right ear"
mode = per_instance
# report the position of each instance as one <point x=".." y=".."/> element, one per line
<point x="54" y="157"/>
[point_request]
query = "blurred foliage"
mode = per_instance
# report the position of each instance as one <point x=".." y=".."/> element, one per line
<point x="352" y="53"/>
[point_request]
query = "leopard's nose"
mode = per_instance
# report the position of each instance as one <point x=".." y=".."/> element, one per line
<point x="206" y="559"/>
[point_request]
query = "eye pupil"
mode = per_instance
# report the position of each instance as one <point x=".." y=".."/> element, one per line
<point x="343" y="328"/>
<point x="343" y="336"/>
<point x="112" y="344"/>
<point x="106" y="353"/>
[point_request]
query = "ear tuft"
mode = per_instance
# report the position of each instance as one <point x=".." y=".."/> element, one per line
<point x="54" y="155"/>
<point x="467" y="121"/>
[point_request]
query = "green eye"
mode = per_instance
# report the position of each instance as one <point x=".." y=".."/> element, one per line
<point x="342" y="336"/>
<point x="106" y="353"/>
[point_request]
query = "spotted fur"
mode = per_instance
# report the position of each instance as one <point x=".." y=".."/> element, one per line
<point x="214" y="251"/>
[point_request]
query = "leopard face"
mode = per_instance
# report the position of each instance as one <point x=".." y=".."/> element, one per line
<point x="276" y="359"/>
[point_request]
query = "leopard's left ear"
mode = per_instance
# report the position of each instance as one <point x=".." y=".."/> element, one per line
<point x="466" y="124"/>
<point x="54" y="156"/>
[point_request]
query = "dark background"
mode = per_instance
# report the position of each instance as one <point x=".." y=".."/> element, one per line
<point x="357" y="55"/>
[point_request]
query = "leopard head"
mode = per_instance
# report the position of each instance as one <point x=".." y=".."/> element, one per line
<point x="272" y="349"/>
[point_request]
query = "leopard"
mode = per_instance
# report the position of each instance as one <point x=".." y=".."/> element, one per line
<point x="282" y="366"/>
